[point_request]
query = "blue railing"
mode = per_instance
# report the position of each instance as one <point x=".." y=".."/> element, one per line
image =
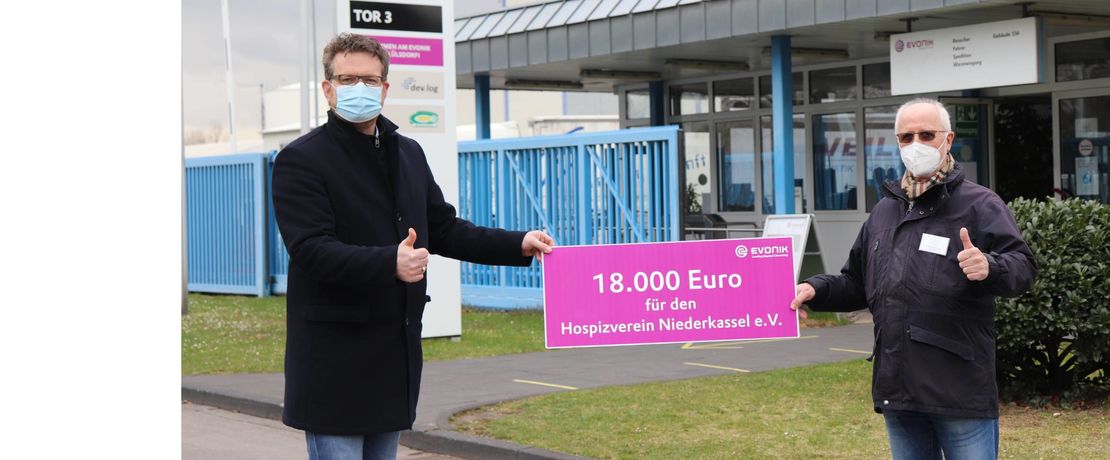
<point x="584" y="188"/>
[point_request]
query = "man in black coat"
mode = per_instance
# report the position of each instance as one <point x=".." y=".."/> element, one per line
<point x="928" y="263"/>
<point x="360" y="212"/>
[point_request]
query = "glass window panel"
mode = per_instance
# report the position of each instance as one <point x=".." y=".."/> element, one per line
<point x="832" y="85"/>
<point x="689" y="99"/>
<point x="508" y="21"/>
<point x="637" y="104"/>
<point x="695" y="154"/>
<point x="583" y="11"/>
<point x="665" y="4"/>
<point x="468" y="30"/>
<point x="876" y="80"/>
<point x="564" y="13"/>
<point x="736" y="165"/>
<point x="624" y="8"/>
<point x="1083" y="60"/>
<point x="486" y="26"/>
<point x="603" y="9"/>
<point x="834" y="161"/>
<point x="767" y="164"/>
<point x="525" y="18"/>
<point x="644" y="5"/>
<point x="1085" y="147"/>
<point x="733" y="95"/>
<point x="881" y="159"/>
<point x="766" y="99"/>
<point x="545" y="15"/>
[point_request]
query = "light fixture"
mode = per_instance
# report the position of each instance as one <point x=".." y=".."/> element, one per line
<point x="812" y="53"/>
<point x="542" y="84"/>
<point x="620" y="75"/>
<point x="700" y="64"/>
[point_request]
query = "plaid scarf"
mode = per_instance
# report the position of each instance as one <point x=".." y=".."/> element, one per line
<point x="915" y="188"/>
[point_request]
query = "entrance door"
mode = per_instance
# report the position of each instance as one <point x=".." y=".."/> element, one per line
<point x="1023" y="146"/>
<point x="971" y="121"/>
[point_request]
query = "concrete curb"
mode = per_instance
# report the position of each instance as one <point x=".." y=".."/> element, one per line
<point x="440" y="441"/>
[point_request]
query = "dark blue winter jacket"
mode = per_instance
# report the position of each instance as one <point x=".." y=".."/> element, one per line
<point x="934" y="328"/>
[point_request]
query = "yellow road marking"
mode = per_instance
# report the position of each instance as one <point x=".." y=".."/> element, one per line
<point x="692" y="346"/>
<point x="851" y="350"/>
<point x="717" y="367"/>
<point x="552" y="385"/>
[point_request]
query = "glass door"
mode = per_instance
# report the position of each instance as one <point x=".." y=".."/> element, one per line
<point x="1083" y="145"/>
<point x="972" y="121"/>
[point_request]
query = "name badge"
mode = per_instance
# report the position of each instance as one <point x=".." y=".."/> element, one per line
<point x="935" y="244"/>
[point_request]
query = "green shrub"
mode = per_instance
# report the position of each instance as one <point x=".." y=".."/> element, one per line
<point x="1054" y="340"/>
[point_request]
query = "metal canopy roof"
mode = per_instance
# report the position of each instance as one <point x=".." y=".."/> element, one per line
<point x="555" y="41"/>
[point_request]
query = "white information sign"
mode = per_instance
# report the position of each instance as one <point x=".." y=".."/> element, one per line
<point x="978" y="56"/>
<point x="419" y="36"/>
<point x="1086" y="174"/>
<point x="795" y="226"/>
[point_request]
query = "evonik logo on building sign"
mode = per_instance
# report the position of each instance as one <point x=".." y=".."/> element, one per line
<point x="926" y="43"/>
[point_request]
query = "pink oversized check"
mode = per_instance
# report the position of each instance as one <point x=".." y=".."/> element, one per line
<point x="688" y="291"/>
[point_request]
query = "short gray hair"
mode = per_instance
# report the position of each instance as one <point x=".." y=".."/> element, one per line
<point x="945" y="119"/>
<point x="347" y="42"/>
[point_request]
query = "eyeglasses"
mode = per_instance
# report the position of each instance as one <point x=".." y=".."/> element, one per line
<point x="925" y="136"/>
<point x="368" y="80"/>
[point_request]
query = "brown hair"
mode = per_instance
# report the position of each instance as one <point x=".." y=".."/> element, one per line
<point x="347" y="42"/>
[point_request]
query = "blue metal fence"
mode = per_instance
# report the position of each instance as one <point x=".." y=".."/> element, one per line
<point x="585" y="188"/>
<point x="226" y="226"/>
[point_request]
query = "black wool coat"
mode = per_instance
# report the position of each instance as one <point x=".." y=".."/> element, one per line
<point x="934" y="328"/>
<point x="353" y="357"/>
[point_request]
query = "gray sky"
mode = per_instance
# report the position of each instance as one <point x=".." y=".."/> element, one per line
<point x="264" y="42"/>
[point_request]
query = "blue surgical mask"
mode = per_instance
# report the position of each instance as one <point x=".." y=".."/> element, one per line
<point x="358" y="103"/>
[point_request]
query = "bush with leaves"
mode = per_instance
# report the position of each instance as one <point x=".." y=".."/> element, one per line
<point x="1054" y="340"/>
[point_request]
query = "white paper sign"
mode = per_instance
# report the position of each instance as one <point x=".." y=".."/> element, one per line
<point x="979" y="56"/>
<point x="1086" y="176"/>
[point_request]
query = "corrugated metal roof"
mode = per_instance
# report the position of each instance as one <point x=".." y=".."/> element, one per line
<point x="552" y="14"/>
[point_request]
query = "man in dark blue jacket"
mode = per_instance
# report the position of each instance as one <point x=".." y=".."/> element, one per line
<point x="360" y="212"/>
<point x="928" y="263"/>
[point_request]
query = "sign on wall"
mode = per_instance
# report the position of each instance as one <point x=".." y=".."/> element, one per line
<point x="418" y="34"/>
<point x="978" y="56"/>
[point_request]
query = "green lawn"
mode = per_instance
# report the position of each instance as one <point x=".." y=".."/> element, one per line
<point x="816" y="411"/>
<point x="225" y="334"/>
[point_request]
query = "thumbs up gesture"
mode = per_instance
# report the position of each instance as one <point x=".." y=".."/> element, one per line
<point x="412" y="262"/>
<point x="972" y="260"/>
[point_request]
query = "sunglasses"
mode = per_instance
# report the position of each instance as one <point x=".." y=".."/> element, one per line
<point x="925" y="136"/>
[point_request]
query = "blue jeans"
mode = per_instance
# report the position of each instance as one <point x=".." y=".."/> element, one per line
<point x="921" y="436"/>
<point x="378" y="446"/>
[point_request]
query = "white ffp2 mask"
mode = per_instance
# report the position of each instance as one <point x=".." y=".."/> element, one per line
<point x="921" y="159"/>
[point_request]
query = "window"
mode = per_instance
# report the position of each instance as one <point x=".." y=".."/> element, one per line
<point x="767" y="163"/>
<point x="1085" y="147"/>
<point x="881" y="159"/>
<point x="733" y="95"/>
<point x="832" y="85"/>
<point x="736" y="154"/>
<point x="834" y="161"/>
<point x="689" y="99"/>
<point x="695" y="155"/>
<point x="876" y="80"/>
<point x="766" y="99"/>
<point x="1083" y="60"/>
<point x="637" y="104"/>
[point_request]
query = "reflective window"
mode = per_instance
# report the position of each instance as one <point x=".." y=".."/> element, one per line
<point x="834" y="161"/>
<point x="637" y="104"/>
<point x="1083" y="60"/>
<point x="766" y="99"/>
<point x="876" y="80"/>
<point x="832" y="85"/>
<point x="695" y="154"/>
<point x="880" y="149"/>
<point x="736" y="154"/>
<point x="689" y="99"/>
<point x="767" y="163"/>
<point x="1085" y="147"/>
<point x="733" y="95"/>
